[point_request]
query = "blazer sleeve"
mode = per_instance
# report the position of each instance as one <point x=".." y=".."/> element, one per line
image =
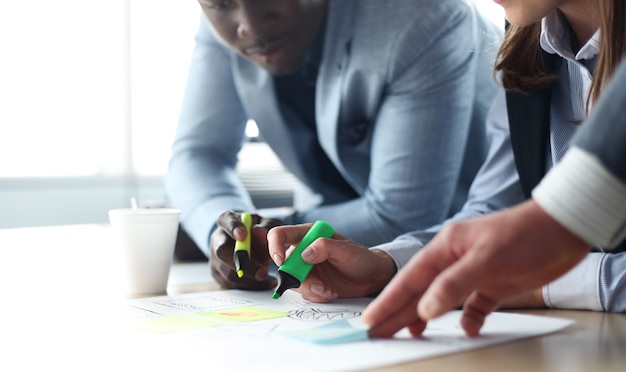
<point x="428" y="130"/>
<point x="586" y="191"/>
<point x="604" y="132"/>
<point x="201" y="177"/>
<point x="495" y="187"/>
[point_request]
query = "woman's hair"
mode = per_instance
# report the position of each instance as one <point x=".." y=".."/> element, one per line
<point x="519" y="58"/>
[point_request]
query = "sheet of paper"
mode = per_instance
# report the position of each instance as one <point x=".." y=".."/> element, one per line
<point x="242" y="329"/>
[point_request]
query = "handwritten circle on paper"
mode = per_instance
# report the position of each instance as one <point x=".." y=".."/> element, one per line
<point x="325" y="314"/>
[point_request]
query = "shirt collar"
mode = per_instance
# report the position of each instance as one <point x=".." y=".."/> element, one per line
<point x="555" y="38"/>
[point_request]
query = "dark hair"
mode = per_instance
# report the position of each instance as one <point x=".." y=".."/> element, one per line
<point x="519" y="58"/>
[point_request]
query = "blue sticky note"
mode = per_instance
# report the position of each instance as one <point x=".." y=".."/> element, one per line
<point x="338" y="332"/>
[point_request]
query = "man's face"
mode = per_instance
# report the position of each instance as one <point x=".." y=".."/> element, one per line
<point x="274" y="34"/>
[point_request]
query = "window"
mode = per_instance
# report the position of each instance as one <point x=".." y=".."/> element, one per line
<point x="74" y="80"/>
<point x="90" y="93"/>
<point x="89" y="96"/>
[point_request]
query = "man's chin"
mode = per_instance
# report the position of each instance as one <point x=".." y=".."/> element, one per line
<point x="275" y="66"/>
<point x="280" y="70"/>
<point x="277" y="69"/>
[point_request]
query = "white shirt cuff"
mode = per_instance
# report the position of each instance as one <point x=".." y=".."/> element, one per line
<point x="579" y="288"/>
<point x="584" y="197"/>
<point x="400" y="250"/>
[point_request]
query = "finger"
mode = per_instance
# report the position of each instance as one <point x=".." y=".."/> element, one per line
<point x="231" y="223"/>
<point x="259" y="264"/>
<point x="339" y="252"/>
<point x="404" y="316"/>
<point x="281" y="236"/>
<point x="409" y="283"/>
<point x="223" y="246"/>
<point x="417" y="329"/>
<point x="219" y="275"/>
<point x="393" y="299"/>
<point x="450" y="289"/>
<point x="314" y="290"/>
<point x="259" y="246"/>
<point x="255" y="278"/>
<point x="475" y="311"/>
<point x="259" y="272"/>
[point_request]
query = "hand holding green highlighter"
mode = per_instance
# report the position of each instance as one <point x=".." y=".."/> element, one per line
<point x="294" y="270"/>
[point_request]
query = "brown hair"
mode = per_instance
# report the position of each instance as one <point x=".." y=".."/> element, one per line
<point x="519" y="58"/>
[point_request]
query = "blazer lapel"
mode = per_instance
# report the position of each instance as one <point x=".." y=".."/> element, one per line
<point x="529" y="122"/>
<point x="330" y="81"/>
<point x="256" y="88"/>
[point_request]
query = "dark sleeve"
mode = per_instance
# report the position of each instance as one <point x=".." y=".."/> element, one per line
<point x="604" y="132"/>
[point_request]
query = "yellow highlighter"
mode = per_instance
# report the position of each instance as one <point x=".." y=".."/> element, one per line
<point x="242" y="247"/>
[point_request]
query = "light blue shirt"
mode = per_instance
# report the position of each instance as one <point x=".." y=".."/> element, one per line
<point x="599" y="282"/>
<point x="401" y="96"/>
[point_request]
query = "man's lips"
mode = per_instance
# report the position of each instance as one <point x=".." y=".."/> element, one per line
<point x="267" y="46"/>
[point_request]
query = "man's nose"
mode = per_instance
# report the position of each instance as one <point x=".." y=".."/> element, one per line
<point x="254" y="23"/>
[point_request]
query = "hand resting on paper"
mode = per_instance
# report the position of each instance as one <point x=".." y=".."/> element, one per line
<point x="477" y="264"/>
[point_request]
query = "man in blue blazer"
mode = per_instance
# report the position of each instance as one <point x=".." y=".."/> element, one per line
<point x="377" y="107"/>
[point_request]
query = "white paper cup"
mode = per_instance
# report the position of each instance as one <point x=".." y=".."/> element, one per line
<point x="146" y="237"/>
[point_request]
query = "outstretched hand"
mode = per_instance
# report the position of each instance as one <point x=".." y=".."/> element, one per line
<point x="222" y="245"/>
<point x="476" y="264"/>
<point x="343" y="268"/>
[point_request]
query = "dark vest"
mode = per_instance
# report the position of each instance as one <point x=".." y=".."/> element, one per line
<point x="529" y="123"/>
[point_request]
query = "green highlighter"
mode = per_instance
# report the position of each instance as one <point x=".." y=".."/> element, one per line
<point x="294" y="270"/>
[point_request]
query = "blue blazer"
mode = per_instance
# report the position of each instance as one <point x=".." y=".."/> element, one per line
<point x="401" y="97"/>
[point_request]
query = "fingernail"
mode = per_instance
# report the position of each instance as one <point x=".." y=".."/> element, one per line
<point x="309" y="254"/>
<point x="429" y="308"/>
<point x="239" y="233"/>
<point x="278" y="259"/>
<point x="318" y="289"/>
